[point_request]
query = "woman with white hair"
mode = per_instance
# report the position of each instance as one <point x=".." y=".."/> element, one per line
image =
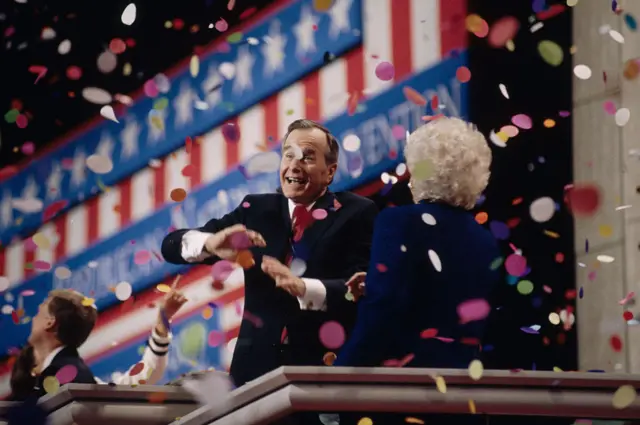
<point x="430" y="272"/>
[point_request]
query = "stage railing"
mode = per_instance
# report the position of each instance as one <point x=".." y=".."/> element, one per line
<point x="289" y="390"/>
<point x="354" y="391"/>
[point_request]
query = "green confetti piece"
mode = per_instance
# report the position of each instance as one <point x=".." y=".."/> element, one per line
<point x="349" y="296"/>
<point x="236" y="37"/>
<point x="525" y="287"/>
<point x="160" y="104"/>
<point x="551" y="52"/>
<point x="11" y="116"/>
<point x="495" y="264"/>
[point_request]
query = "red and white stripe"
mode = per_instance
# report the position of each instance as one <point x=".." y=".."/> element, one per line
<point x="412" y="34"/>
<point x="119" y="327"/>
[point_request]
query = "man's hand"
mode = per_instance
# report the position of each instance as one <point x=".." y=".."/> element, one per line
<point x="227" y="243"/>
<point x="356" y="285"/>
<point x="283" y="276"/>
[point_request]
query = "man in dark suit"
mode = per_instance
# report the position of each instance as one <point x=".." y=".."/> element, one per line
<point x="305" y="242"/>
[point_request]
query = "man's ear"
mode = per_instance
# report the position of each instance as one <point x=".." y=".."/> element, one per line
<point x="332" y="172"/>
<point x="51" y="324"/>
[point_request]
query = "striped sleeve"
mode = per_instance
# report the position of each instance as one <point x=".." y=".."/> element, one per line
<point x="159" y="345"/>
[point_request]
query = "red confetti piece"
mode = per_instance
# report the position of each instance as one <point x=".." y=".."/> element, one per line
<point x="74" y="72"/>
<point x="117" y="46"/>
<point x="248" y="12"/>
<point x="188" y="143"/>
<point x="463" y="74"/>
<point x="352" y="104"/>
<point x="52" y="210"/>
<point x="283" y="335"/>
<point x="470" y="341"/>
<point x="189" y="170"/>
<point x="14" y="317"/>
<point x="503" y="30"/>
<point x="583" y="199"/>
<point x="136" y="369"/>
<point x="178" y="24"/>
<point x="39" y="70"/>
<point x="627" y="315"/>
<point x="428" y="333"/>
<point x="381" y="268"/>
<point x="616" y="343"/>
<point x="570" y="294"/>
<point x="552" y="11"/>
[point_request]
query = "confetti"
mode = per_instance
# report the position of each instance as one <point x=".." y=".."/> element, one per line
<point x="178" y="195"/>
<point x="365" y="421"/>
<point x="622" y="117"/>
<point x="385" y="71"/>
<point x="583" y="199"/>
<point x="96" y="95"/>
<point x="129" y="14"/>
<point x="503" y="90"/>
<point x="39" y="70"/>
<point x="515" y="265"/>
<point x="463" y="74"/>
<point x="542" y="209"/>
<point x="429" y="219"/>
<point x="141" y="257"/>
<point x="164" y="288"/>
<point x="616" y="36"/>
<point x="107" y="112"/>
<point x="435" y="260"/>
<point x="351" y="143"/>
<point x="107" y="62"/>
<point x="525" y="287"/>
<point x="605" y="258"/>
<point x="503" y="30"/>
<point x="123" y="291"/>
<point x="216" y="338"/>
<point x="551" y="52"/>
<point x="472" y="310"/>
<point x="583" y="72"/>
<point x="414" y="97"/>
<point x="88" y="302"/>
<point x="332" y="335"/>
<point x="616" y="343"/>
<point x="475" y="369"/>
<point x="51" y="385"/>
<point x="66" y="374"/>
<point x="441" y="385"/>
<point x="319" y="214"/>
<point x="523" y="121"/>
<point x="322" y="5"/>
<point x="135" y="370"/>
<point x="221" y="270"/>
<point x="221" y="25"/>
<point x="624" y="397"/>
<point x="194" y="66"/>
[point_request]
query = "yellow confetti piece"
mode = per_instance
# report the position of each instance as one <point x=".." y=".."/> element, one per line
<point x="476" y="369"/>
<point x="290" y="111"/>
<point x="365" y="421"/>
<point x="88" y="302"/>
<point x="168" y="24"/>
<point x="322" y="5"/>
<point x="441" y="385"/>
<point x="127" y="69"/>
<point x="510" y="45"/>
<point x="163" y="287"/>
<point x="552" y="234"/>
<point x="624" y="396"/>
<point x="41" y="241"/>
<point x="557" y="369"/>
<point x="605" y="231"/>
<point x="549" y="123"/>
<point x="473" y="23"/>
<point x="472" y="407"/>
<point x="502" y="136"/>
<point x="412" y="420"/>
<point x="51" y="385"/>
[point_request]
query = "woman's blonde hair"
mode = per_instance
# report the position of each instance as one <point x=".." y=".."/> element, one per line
<point x="449" y="161"/>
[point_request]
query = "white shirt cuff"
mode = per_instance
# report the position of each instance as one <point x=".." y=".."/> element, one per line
<point x="315" y="296"/>
<point x="193" y="245"/>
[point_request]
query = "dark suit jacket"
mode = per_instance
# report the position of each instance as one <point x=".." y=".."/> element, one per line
<point x="67" y="356"/>
<point x="333" y="249"/>
<point x="405" y="294"/>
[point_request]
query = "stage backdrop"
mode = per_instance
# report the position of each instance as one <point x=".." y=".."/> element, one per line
<point x="115" y="237"/>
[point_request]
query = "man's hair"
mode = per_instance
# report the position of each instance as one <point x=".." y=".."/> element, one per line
<point x="302" y="124"/>
<point x="74" y="320"/>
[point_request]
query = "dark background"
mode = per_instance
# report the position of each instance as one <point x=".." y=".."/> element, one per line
<point x="534" y="164"/>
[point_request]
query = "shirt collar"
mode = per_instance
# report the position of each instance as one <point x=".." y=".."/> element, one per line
<point x="47" y="361"/>
<point x="292" y="206"/>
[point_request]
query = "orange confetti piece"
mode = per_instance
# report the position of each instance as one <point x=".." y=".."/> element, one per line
<point x="516" y="201"/>
<point x="552" y="234"/>
<point x="352" y="104"/>
<point x="472" y="407"/>
<point x="412" y="420"/>
<point x="245" y="259"/>
<point x="178" y="195"/>
<point x="414" y="97"/>
<point x="482" y="217"/>
<point x="329" y="358"/>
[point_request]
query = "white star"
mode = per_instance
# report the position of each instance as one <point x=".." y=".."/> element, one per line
<point x="304" y="30"/>
<point x="78" y="170"/>
<point x="156" y="125"/>
<point x="129" y="138"/>
<point x="183" y="104"/>
<point x="339" y="13"/>
<point x="244" y="66"/>
<point x="105" y="146"/>
<point x="273" y="49"/>
<point x="30" y="190"/>
<point x="212" y="86"/>
<point x="53" y="181"/>
<point x="6" y="210"/>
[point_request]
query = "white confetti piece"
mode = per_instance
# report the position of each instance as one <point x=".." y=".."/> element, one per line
<point x="622" y="116"/>
<point x="129" y="14"/>
<point x="616" y="36"/>
<point x="194" y="66"/>
<point x="429" y="219"/>
<point x="605" y="258"/>
<point x="64" y="47"/>
<point x="123" y="291"/>
<point x="99" y="164"/>
<point x="542" y="209"/>
<point x="107" y="112"/>
<point x="583" y="72"/>
<point x="107" y="62"/>
<point x="496" y="140"/>
<point x="48" y="33"/>
<point x="503" y="90"/>
<point x="62" y="272"/>
<point x="351" y="143"/>
<point x="227" y="70"/>
<point x="96" y="95"/>
<point x="435" y="260"/>
<point x="298" y="267"/>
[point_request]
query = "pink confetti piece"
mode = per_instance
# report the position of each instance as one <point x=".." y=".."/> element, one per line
<point x="28" y="148"/>
<point x="398" y="132"/>
<point x="255" y="320"/>
<point x="27" y="293"/>
<point x="473" y="310"/>
<point x="515" y="265"/>
<point x="221" y="25"/>
<point x="609" y="107"/>
<point x="39" y="70"/>
<point x="221" y="270"/>
<point x="66" y="374"/>
<point x="628" y="298"/>
<point x="444" y="339"/>
<point x="41" y="265"/>
<point x="141" y="257"/>
<point x="246" y="204"/>
<point x="319" y="214"/>
<point x="523" y="121"/>
<point x="332" y="335"/>
<point x="150" y="89"/>
<point x="385" y="71"/>
<point x="216" y="338"/>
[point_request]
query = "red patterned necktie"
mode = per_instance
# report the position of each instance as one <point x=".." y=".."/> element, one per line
<point x="300" y="221"/>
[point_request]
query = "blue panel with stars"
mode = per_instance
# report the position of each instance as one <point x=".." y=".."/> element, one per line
<point x="271" y="56"/>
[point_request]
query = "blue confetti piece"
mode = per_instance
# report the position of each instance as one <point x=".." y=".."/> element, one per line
<point x="533" y="367"/>
<point x="487" y="348"/>
<point x="481" y="200"/>
<point x="536" y="302"/>
<point x="614" y="5"/>
<point x="586" y="245"/>
<point x="213" y="305"/>
<point x="596" y="371"/>
<point x="539" y="6"/>
<point x="631" y="22"/>
<point x="511" y="280"/>
<point x="528" y="330"/>
<point x="386" y="189"/>
<point x="581" y="292"/>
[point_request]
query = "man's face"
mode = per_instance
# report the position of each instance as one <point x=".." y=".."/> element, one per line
<point x="304" y="172"/>
<point x="42" y="322"/>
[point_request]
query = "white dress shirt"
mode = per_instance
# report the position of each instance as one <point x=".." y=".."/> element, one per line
<point x="315" y="295"/>
<point x="47" y="360"/>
